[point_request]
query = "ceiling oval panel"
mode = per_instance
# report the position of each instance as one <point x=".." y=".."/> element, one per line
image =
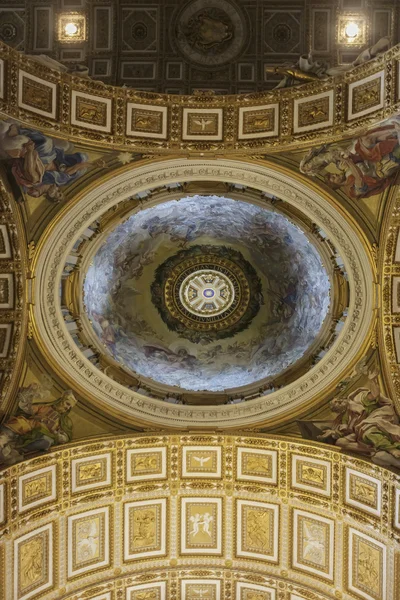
<point x="56" y="340"/>
<point x="207" y="293"/>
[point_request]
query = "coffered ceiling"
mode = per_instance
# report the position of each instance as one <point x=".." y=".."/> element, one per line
<point x="178" y="47"/>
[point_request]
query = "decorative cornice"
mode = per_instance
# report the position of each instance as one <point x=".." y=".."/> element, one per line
<point x="89" y="111"/>
<point x="61" y="352"/>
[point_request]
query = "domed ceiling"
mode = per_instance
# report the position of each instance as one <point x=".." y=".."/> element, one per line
<point x="207" y="293"/>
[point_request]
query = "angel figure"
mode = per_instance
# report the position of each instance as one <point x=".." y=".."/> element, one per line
<point x="207" y="520"/>
<point x="314" y="543"/>
<point x="196" y="522"/>
<point x="37" y="426"/>
<point x="88" y="541"/>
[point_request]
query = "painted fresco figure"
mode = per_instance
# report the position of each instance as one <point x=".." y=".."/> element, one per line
<point x="35" y="427"/>
<point x="41" y="165"/>
<point x="363" y="171"/>
<point x="366" y="424"/>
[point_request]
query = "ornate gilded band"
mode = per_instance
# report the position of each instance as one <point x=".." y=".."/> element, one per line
<point x="87" y="110"/>
<point x="159" y="516"/>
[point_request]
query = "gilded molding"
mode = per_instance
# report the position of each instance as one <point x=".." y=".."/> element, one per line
<point x="61" y="352"/>
<point x="284" y="119"/>
<point x="13" y="301"/>
<point x="112" y="543"/>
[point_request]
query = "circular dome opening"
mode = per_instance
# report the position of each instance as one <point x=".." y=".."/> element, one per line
<point x="207" y="293"/>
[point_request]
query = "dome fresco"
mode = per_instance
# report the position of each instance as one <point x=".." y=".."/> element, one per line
<point x="207" y="293"/>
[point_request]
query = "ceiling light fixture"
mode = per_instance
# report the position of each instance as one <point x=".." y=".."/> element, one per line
<point x="71" y="29"/>
<point x="352" y="30"/>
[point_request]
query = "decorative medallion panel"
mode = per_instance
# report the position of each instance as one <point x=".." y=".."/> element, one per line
<point x="313" y="544"/>
<point x="147" y="591"/>
<point x="37" y="95"/>
<point x="144" y="529"/>
<point x="145" y="121"/>
<point x="35" y="489"/>
<point x="146" y="464"/>
<point x="91" y="472"/>
<point x="91" y="112"/>
<point x="202" y="526"/>
<point x="367" y="568"/>
<point x="395" y="294"/>
<point x="5" y="339"/>
<point x="209" y="589"/>
<point x="258" y="122"/>
<point x="257" y="465"/>
<point x="251" y="591"/>
<point x="5" y="246"/>
<point x="311" y="474"/>
<point x="88" y="541"/>
<point x="366" y="96"/>
<point x="257" y="530"/>
<point x="34" y="563"/>
<point x="6" y="290"/>
<point x="202" y="124"/>
<point x="313" y="112"/>
<point x="363" y="491"/>
<point x="201" y="461"/>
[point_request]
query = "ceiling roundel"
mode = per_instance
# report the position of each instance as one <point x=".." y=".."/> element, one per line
<point x="73" y="362"/>
<point x="207" y="289"/>
<point x="210" y="33"/>
<point x="207" y="292"/>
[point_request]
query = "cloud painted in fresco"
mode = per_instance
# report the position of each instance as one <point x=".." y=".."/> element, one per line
<point x="296" y="293"/>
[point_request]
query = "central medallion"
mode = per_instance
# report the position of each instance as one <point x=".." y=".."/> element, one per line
<point x="207" y="292"/>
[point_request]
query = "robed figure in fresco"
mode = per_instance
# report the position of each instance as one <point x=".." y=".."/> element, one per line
<point x="365" y="168"/>
<point x="41" y="165"/>
<point x="36" y="426"/>
<point x="367" y="424"/>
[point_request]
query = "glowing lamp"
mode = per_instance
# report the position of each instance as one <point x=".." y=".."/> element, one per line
<point x="71" y="29"/>
<point x="352" y="30"/>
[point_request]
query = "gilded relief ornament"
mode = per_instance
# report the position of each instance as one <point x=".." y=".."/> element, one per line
<point x="31" y="562"/>
<point x="207" y="292"/>
<point x="210" y="32"/>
